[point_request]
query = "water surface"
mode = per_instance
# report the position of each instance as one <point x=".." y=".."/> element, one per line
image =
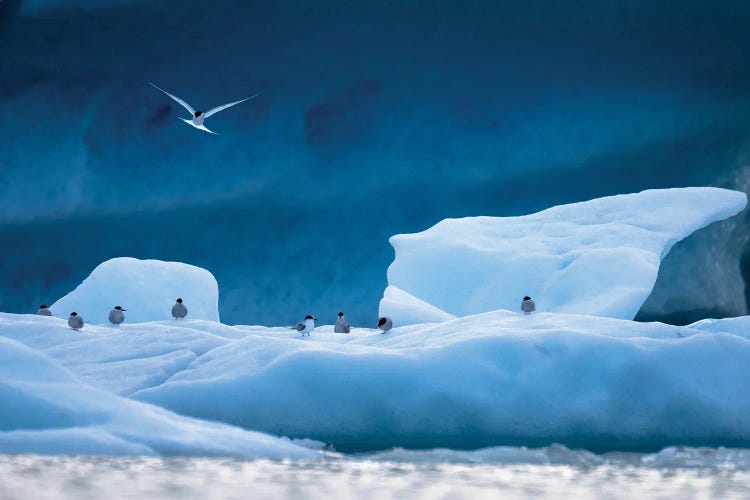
<point x="553" y="472"/>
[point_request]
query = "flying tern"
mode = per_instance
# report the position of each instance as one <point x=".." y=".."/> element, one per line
<point x="198" y="117"/>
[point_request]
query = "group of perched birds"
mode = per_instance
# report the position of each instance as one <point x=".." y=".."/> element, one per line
<point x="116" y="315"/>
<point x="306" y="326"/>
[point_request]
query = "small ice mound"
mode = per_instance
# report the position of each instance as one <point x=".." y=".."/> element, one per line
<point x="739" y="326"/>
<point x="599" y="257"/>
<point x="146" y="288"/>
<point x="409" y="310"/>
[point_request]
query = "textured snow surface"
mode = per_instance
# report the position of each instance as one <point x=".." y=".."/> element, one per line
<point x="498" y="378"/>
<point x="147" y="289"/>
<point x="599" y="257"/>
<point x="46" y="409"/>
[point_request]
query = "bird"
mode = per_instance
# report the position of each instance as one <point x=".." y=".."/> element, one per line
<point x="116" y="315"/>
<point x="385" y="323"/>
<point x="528" y="306"/>
<point x="342" y="326"/>
<point x="198" y="117"/>
<point x="179" y="310"/>
<point x="75" y="321"/>
<point x="44" y="311"/>
<point x="307" y="326"/>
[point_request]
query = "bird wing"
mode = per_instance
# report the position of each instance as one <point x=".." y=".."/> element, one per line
<point x="215" y="110"/>
<point x="205" y="129"/>
<point x="199" y="127"/>
<point x="182" y="103"/>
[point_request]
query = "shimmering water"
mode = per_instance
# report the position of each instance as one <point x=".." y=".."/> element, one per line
<point x="508" y="472"/>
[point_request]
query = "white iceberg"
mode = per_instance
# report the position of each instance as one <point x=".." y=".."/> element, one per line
<point x="495" y="378"/>
<point x="599" y="257"/>
<point x="498" y="378"/>
<point x="146" y="288"/>
<point x="45" y="409"/>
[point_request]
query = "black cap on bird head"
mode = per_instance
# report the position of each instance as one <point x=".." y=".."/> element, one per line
<point x="310" y="317"/>
<point x="74" y="314"/>
<point x="382" y="321"/>
<point x="120" y="308"/>
<point x="527" y="298"/>
<point x="341" y="314"/>
<point x="42" y="307"/>
<point x="198" y="113"/>
<point x="179" y="301"/>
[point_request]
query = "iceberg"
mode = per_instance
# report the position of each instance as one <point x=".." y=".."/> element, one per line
<point x="599" y="257"/>
<point x="146" y="288"/>
<point x="45" y="409"/>
<point x="498" y="378"/>
<point x="442" y="378"/>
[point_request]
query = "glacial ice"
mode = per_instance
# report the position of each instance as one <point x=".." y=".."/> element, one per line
<point x="45" y="409"/>
<point x="599" y="257"/>
<point x="489" y="379"/>
<point x="498" y="378"/>
<point x="147" y="289"/>
<point x="495" y="378"/>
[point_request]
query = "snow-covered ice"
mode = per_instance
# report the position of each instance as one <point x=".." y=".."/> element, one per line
<point x="736" y="326"/>
<point x="45" y="409"/>
<point x="489" y="379"/>
<point x="495" y="378"/>
<point x="472" y="381"/>
<point x="146" y="288"/>
<point x="599" y="257"/>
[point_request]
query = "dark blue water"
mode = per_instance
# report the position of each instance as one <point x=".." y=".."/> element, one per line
<point x="375" y="118"/>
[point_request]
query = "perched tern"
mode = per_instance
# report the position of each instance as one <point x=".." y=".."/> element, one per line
<point x="44" y="311"/>
<point x="179" y="310"/>
<point x="117" y="315"/>
<point x="198" y="117"/>
<point x="342" y="326"/>
<point x="307" y="326"/>
<point x="75" y="321"/>
<point x="385" y="323"/>
<point x="528" y="306"/>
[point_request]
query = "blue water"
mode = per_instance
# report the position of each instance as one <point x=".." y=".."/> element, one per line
<point x="553" y="472"/>
<point x="375" y="118"/>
